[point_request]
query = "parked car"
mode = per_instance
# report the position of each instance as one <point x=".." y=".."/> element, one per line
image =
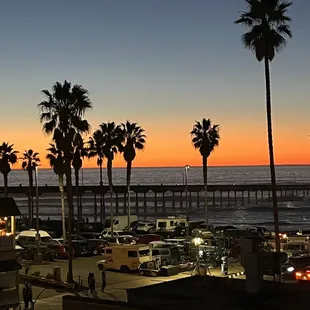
<point x="116" y="233"/>
<point x="203" y="230"/>
<point x="146" y="239"/>
<point x="144" y="227"/>
<point x="91" y="235"/>
<point x="61" y="250"/>
<point x="97" y="245"/>
<point x="127" y="239"/>
<point x="180" y="229"/>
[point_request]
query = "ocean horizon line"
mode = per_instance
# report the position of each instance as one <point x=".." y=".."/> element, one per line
<point x="179" y="167"/>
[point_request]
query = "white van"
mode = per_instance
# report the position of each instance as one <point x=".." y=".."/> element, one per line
<point x="124" y="257"/>
<point x="169" y="223"/>
<point x="120" y="221"/>
<point x="30" y="236"/>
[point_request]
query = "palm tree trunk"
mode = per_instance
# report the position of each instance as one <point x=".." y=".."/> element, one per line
<point x="77" y="200"/>
<point x="63" y="213"/>
<point x="271" y="157"/>
<point x="29" y="199"/>
<point x="70" y="216"/>
<point x="109" y="168"/>
<point x="31" y="195"/>
<point x="5" y="181"/>
<point x="101" y="194"/>
<point x="129" y="164"/>
<point x="205" y="183"/>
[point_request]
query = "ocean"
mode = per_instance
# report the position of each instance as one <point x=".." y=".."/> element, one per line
<point x="292" y="214"/>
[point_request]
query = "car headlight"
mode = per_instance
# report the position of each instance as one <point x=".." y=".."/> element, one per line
<point x="290" y="269"/>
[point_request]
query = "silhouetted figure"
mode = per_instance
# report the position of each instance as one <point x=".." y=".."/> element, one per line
<point x="27" y="295"/>
<point x="92" y="283"/>
<point x="103" y="280"/>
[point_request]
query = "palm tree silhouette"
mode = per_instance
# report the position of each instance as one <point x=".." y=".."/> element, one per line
<point x="96" y="150"/>
<point x="133" y="138"/>
<point x="8" y="157"/>
<point x="62" y="117"/>
<point x="112" y="139"/>
<point x="57" y="162"/>
<point x="205" y="138"/>
<point x="30" y="161"/>
<point x="269" y="26"/>
<point x="79" y="152"/>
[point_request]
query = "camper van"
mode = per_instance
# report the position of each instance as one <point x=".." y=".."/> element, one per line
<point x="124" y="257"/>
<point x="296" y="245"/>
<point x="120" y="222"/>
<point x="169" y="223"/>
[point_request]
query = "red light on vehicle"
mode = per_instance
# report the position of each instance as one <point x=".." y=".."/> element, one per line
<point x="307" y="271"/>
<point x="298" y="274"/>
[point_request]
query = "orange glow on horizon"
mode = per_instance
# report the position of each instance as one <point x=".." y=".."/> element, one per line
<point x="237" y="148"/>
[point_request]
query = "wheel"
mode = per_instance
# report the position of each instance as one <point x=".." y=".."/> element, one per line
<point x="124" y="269"/>
<point x="95" y="252"/>
<point x="141" y="273"/>
<point x="153" y="274"/>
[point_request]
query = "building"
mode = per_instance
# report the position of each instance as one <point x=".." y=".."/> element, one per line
<point x="9" y="267"/>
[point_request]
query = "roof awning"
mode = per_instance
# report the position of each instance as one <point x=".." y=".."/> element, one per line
<point x="9" y="265"/>
<point x="8" y="207"/>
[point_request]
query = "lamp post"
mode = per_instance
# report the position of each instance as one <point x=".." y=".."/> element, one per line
<point x="37" y="215"/>
<point x="197" y="242"/>
<point x="186" y="201"/>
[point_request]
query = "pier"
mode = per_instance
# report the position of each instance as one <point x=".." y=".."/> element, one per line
<point x="160" y="199"/>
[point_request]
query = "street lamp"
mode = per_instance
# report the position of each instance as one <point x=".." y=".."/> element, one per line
<point x="37" y="214"/>
<point x="197" y="242"/>
<point x="186" y="201"/>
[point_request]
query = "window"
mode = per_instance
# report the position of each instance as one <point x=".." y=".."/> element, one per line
<point x="171" y="223"/>
<point x="155" y="252"/>
<point x="165" y="252"/>
<point x="162" y="224"/>
<point x="22" y="239"/>
<point x="108" y="251"/>
<point x="144" y="252"/>
<point x="132" y="254"/>
<point x="5" y="226"/>
<point x="46" y="239"/>
<point x="116" y="222"/>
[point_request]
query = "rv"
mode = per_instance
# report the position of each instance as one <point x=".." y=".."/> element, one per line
<point x="169" y="223"/>
<point x="125" y="257"/>
<point x="120" y="222"/>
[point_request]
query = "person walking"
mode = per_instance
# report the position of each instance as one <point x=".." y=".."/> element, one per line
<point x="103" y="280"/>
<point x="27" y="295"/>
<point x="92" y="283"/>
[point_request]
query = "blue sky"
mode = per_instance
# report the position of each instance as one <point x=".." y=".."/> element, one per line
<point x="162" y="63"/>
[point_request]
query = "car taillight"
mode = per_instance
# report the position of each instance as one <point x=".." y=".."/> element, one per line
<point x="298" y="274"/>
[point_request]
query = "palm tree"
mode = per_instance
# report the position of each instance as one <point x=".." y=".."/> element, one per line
<point x="112" y="139"/>
<point x="62" y="117"/>
<point x="8" y="157"/>
<point x="30" y="161"/>
<point x="96" y="150"/>
<point x="79" y="152"/>
<point x="205" y="138"/>
<point x="57" y="162"/>
<point x="133" y="138"/>
<point x="269" y="26"/>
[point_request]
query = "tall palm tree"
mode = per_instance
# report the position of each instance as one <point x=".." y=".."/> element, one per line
<point x="8" y="157"/>
<point x="79" y="152"/>
<point x="269" y="27"/>
<point x="112" y="139"/>
<point x="96" y="150"/>
<point x="30" y="161"/>
<point x="205" y="138"/>
<point x="133" y="138"/>
<point x="57" y="162"/>
<point x="62" y="116"/>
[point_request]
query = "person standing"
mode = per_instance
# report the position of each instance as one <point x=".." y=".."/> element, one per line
<point x="27" y="295"/>
<point x="103" y="280"/>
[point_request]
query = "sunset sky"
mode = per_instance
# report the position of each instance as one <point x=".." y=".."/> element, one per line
<point x="163" y="64"/>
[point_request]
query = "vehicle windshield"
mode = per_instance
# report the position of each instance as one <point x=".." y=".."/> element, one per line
<point x="125" y="240"/>
<point x="122" y="233"/>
